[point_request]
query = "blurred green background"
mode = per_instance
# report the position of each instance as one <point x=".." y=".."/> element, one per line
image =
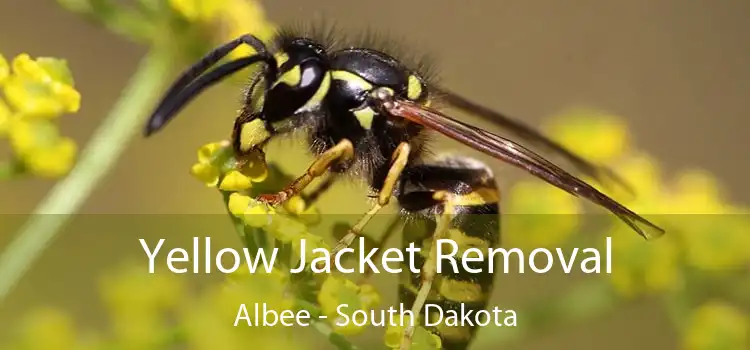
<point x="675" y="70"/>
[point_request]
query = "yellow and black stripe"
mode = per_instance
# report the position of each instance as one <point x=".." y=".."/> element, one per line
<point x="464" y="192"/>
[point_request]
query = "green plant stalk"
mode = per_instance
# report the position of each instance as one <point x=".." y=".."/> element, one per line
<point x="96" y="160"/>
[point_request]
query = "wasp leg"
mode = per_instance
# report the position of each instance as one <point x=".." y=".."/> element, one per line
<point x="398" y="163"/>
<point x="341" y="152"/>
<point x="455" y="199"/>
<point x="429" y="269"/>
<point x="314" y="195"/>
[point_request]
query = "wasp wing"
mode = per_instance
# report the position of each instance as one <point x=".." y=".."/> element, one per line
<point x="531" y="135"/>
<point x="513" y="153"/>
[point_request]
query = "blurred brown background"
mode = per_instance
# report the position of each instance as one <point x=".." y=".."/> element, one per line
<point x="677" y="70"/>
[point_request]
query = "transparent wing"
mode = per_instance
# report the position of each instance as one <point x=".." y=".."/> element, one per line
<point x="513" y="153"/>
<point x="527" y="133"/>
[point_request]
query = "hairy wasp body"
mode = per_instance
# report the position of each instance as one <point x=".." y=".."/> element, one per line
<point x="367" y="114"/>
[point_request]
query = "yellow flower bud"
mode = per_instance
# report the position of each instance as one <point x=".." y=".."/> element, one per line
<point x="136" y="300"/>
<point x="644" y="174"/>
<point x="258" y="216"/>
<point x="717" y="325"/>
<point x="240" y="17"/>
<point x="53" y="161"/>
<point x="336" y="291"/>
<point x="69" y="98"/>
<point x="286" y="229"/>
<point x="295" y="205"/>
<point x="207" y="151"/>
<point x="235" y="181"/>
<point x="271" y="288"/>
<point x="5" y="117"/>
<point x="206" y="173"/>
<point x="41" y="87"/>
<point x="215" y="159"/>
<point x="368" y="295"/>
<point x="24" y="66"/>
<point x="639" y="268"/>
<point x="238" y="204"/>
<point x="49" y="329"/>
<point x="252" y="212"/>
<point x="715" y="243"/>
<point x="27" y="135"/>
<point x="39" y="146"/>
<point x="198" y="10"/>
<point x="596" y="136"/>
<point x="4" y="69"/>
<point x="541" y="215"/>
<point x="40" y="99"/>
<point x="697" y="192"/>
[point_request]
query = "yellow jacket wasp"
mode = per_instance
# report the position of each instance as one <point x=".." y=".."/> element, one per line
<point x="367" y="114"/>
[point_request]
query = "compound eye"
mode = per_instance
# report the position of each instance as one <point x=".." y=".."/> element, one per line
<point x="416" y="90"/>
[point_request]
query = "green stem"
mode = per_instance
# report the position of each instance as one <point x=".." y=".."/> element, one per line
<point x="99" y="157"/>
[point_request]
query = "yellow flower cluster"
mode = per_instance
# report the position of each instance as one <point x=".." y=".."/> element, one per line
<point x="606" y="136"/>
<point x="206" y="325"/>
<point x="705" y="233"/>
<point x="539" y="215"/>
<point x="36" y="93"/>
<point x="216" y="167"/>
<point x="216" y="162"/>
<point x="232" y="17"/>
<point x="717" y="325"/>
<point x="138" y="303"/>
<point x="51" y="329"/>
<point x="337" y="291"/>
<point x="156" y="311"/>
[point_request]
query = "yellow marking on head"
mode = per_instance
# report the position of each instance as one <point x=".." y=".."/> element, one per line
<point x="481" y="196"/>
<point x="291" y="77"/>
<point x="365" y="117"/>
<point x="281" y="58"/>
<point x="413" y="88"/>
<point x="351" y="78"/>
<point x="253" y="134"/>
<point x="321" y="93"/>
<point x="460" y="291"/>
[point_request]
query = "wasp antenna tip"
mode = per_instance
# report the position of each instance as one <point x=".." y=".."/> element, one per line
<point x="149" y="130"/>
